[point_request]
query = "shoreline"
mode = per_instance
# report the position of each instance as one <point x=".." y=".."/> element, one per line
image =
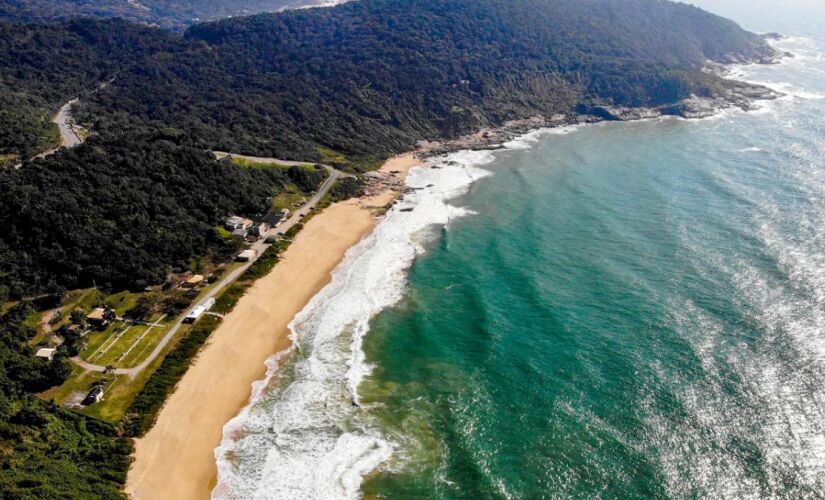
<point x="175" y="459"/>
<point x="190" y="426"/>
<point x="742" y="95"/>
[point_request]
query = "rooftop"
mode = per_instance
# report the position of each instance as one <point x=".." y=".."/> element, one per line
<point x="46" y="352"/>
<point x="194" y="280"/>
<point x="97" y="314"/>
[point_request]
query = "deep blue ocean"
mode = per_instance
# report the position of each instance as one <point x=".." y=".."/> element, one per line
<point x="622" y="310"/>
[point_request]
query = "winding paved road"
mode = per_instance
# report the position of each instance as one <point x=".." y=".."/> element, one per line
<point x="68" y="135"/>
<point x="259" y="247"/>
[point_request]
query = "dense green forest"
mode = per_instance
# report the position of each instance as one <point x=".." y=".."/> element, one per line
<point x="365" y="78"/>
<point x="169" y="14"/>
<point x="41" y="67"/>
<point x="45" y="451"/>
<point x="372" y="77"/>
<point x="122" y="210"/>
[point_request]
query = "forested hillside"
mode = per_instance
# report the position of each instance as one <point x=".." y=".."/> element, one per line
<point x="169" y="14"/>
<point x="41" y="67"/>
<point x="360" y="81"/>
<point x="372" y="77"/>
<point x="122" y="210"/>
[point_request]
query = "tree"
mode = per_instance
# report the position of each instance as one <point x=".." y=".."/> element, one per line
<point x="144" y="307"/>
<point x="78" y="318"/>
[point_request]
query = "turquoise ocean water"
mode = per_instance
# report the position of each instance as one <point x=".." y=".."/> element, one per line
<point x="623" y="310"/>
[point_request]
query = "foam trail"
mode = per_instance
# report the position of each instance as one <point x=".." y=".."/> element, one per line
<point x="304" y="434"/>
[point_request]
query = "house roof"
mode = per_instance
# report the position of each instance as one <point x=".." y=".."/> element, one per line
<point x="46" y="352"/>
<point x="97" y="314"/>
<point x="194" y="280"/>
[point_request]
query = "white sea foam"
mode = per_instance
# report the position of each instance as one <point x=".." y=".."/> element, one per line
<point x="304" y="434"/>
<point x="804" y="59"/>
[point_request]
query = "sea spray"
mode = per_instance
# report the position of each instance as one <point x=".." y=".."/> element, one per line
<point x="304" y="434"/>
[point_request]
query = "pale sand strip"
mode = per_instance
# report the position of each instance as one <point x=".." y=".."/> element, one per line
<point x="175" y="460"/>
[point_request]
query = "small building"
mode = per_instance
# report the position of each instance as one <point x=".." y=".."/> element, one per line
<point x="246" y="255"/>
<point x="241" y="232"/>
<point x="94" y="396"/>
<point x="198" y="311"/>
<point x="194" y="314"/>
<point x="236" y="222"/>
<point x="46" y="353"/>
<point x="259" y="229"/>
<point x="193" y="281"/>
<point x="208" y="303"/>
<point x="100" y="317"/>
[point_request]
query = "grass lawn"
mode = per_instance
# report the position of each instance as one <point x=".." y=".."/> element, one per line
<point x="140" y="348"/>
<point x="331" y="156"/>
<point x="123" y="301"/>
<point x="79" y="382"/>
<point x="115" y="350"/>
<point x="33" y="321"/>
<point x="125" y="345"/>
<point x="151" y="337"/>
<point x="96" y="339"/>
<point x="120" y="391"/>
<point x="243" y="162"/>
<point x="287" y="199"/>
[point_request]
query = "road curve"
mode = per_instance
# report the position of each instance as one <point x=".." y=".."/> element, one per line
<point x="259" y="246"/>
<point x="69" y="137"/>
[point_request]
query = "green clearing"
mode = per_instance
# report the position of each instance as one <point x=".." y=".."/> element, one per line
<point x="247" y="163"/>
<point x="95" y="340"/>
<point x="339" y="160"/>
<point x="288" y="200"/>
<point x="223" y="233"/>
<point x="85" y="299"/>
<point x="123" y="301"/>
<point x="142" y="349"/>
<point x="332" y="157"/>
<point x="120" y="391"/>
<point x="8" y="159"/>
<point x="114" y="351"/>
<point x="123" y="345"/>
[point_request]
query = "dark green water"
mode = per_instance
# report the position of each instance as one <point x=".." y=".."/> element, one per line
<point x="617" y="311"/>
<point x="636" y="310"/>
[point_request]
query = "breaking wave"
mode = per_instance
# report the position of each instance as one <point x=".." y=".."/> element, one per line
<point x="304" y="435"/>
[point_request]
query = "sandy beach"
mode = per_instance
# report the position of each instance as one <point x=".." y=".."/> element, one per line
<point x="175" y="460"/>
